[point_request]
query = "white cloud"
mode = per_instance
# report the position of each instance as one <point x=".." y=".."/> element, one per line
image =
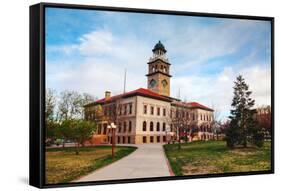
<point x="217" y="90"/>
<point x="102" y="65"/>
<point x="96" y="43"/>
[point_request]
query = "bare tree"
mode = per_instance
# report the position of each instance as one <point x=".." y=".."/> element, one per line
<point x="71" y="105"/>
<point x="50" y="104"/>
<point x="180" y="121"/>
<point x="216" y="124"/>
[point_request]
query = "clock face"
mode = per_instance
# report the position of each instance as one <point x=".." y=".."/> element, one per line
<point x="164" y="83"/>
<point x="152" y="83"/>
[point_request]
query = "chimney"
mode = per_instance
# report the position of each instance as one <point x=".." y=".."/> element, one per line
<point x="107" y="95"/>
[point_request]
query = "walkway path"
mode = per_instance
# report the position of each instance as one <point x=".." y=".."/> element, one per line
<point x="148" y="160"/>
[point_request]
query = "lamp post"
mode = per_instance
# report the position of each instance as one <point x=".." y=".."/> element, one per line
<point x="112" y="126"/>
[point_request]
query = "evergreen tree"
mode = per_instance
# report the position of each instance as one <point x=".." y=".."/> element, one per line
<point x="243" y="127"/>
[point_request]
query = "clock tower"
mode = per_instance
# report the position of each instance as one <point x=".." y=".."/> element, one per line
<point x="158" y="77"/>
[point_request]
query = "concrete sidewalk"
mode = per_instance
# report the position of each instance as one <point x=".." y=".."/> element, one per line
<point x="148" y="160"/>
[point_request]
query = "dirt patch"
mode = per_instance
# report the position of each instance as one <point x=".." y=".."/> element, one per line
<point x="244" y="151"/>
<point x="192" y="169"/>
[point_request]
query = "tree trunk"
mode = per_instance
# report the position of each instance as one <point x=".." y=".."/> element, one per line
<point x="77" y="148"/>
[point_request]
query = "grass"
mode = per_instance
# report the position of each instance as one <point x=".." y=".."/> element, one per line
<point x="211" y="157"/>
<point x="63" y="165"/>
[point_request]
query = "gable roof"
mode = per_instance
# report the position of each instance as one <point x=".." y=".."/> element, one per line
<point x="138" y="92"/>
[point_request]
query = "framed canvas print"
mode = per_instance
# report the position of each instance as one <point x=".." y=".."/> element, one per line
<point x="122" y="95"/>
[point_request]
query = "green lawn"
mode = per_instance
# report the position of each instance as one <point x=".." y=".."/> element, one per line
<point x="211" y="157"/>
<point x="63" y="165"/>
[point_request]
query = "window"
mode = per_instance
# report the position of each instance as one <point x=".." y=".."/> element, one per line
<point x="105" y="111"/>
<point x="152" y="83"/>
<point x="151" y="110"/>
<point x="144" y="139"/>
<point x="158" y="139"/>
<point x="144" y="126"/>
<point x="164" y="138"/>
<point x="145" y="109"/>
<point x="99" y="129"/>
<point x="120" y="110"/>
<point x="130" y="126"/>
<point x="119" y="127"/>
<point x="158" y="110"/>
<point x="130" y="108"/>
<point x="125" y="126"/>
<point x="125" y="109"/>
<point x="124" y="139"/>
<point x="164" y="112"/>
<point x="164" y="126"/>
<point x="187" y="115"/>
<point x="129" y="139"/>
<point x="110" y="110"/>
<point x="151" y="139"/>
<point x="151" y="126"/>
<point x="118" y="139"/>
<point x="104" y="128"/>
<point x="158" y="126"/>
<point x="193" y="117"/>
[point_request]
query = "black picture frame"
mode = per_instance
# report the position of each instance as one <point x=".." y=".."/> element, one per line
<point x="37" y="92"/>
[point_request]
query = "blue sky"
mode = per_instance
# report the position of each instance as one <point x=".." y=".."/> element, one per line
<point x="88" y="51"/>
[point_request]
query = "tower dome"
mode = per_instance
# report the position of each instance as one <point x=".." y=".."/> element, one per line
<point x="159" y="46"/>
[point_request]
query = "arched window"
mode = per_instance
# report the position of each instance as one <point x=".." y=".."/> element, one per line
<point x="144" y="126"/>
<point x="151" y="126"/>
<point x="119" y="127"/>
<point x="130" y="126"/>
<point x="158" y="126"/>
<point x="125" y="126"/>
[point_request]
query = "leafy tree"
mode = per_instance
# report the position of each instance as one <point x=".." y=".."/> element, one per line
<point x="65" y="130"/>
<point x="52" y="129"/>
<point x="258" y="136"/>
<point x="81" y="131"/>
<point x="242" y="127"/>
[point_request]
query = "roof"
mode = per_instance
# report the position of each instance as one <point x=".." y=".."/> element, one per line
<point x="140" y="92"/>
<point x="159" y="46"/>
<point x="193" y="105"/>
